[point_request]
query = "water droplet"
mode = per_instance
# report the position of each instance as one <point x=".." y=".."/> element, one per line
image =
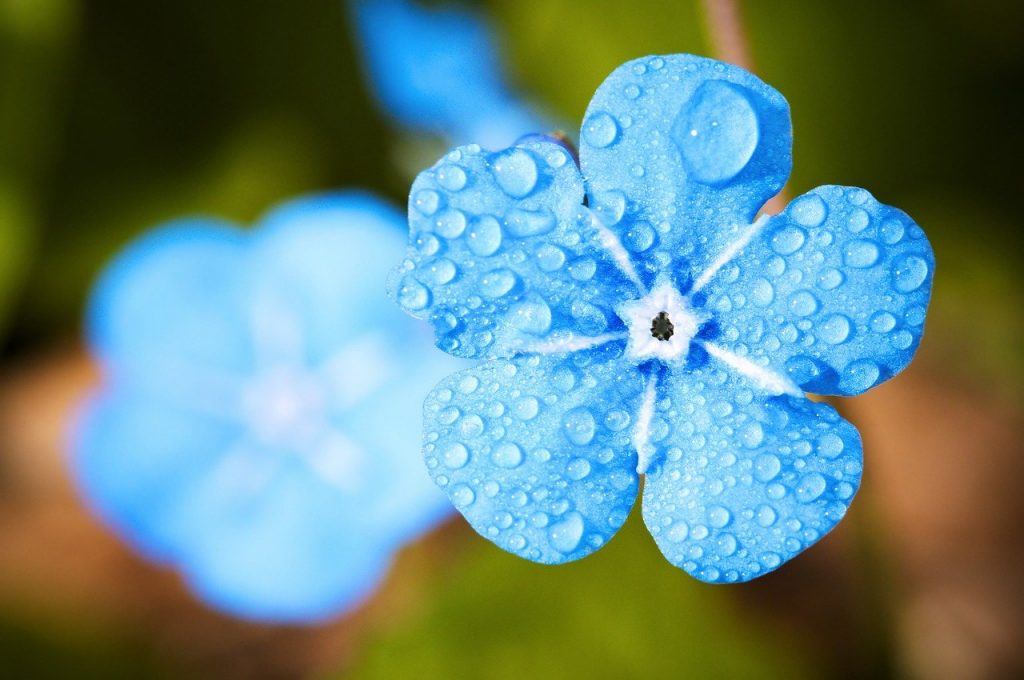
<point x="600" y="130"/>
<point x="765" y="515"/>
<point x="462" y="495"/>
<point x="579" y="426"/>
<point x="767" y="466"/>
<point x="835" y="329"/>
<point x="882" y="322"/>
<point x="811" y="487"/>
<point x="456" y="456"/>
<point x="752" y="435"/>
<point x="830" y="445"/>
<point x="830" y="278"/>
<point x="788" y="240"/>
<point x="902" y="339"/>
<point x="639" y="237"/>
<point x="526" y="408"/>
<point x="471" y="426"/>
<point x="427" y="244"/>
<point x="717" y="132"/>
<point x="861" y="253"/>
<point x="909" y="273"/>
<point x="450" y="223"/>
<point x="762" y="293"/>
<point x="516" y="172"/>
<point x="507" y="455"/>
<point x="427" y="201"/>
<point x="726" y="545"/>
<point x="718" y="516"/>
<point x="451" y="177"/>
<point x="808" y="210"/>
<point x="522" y="223"/>
<point x="484" y="236"/>
<point x="860" y="375"/>
<point x="858" y="220"/>
<point x="891" y="231"/>
<point x="610" y="206"/>
<point x="583" y="269"/>
<point x="532" y="316"/>
<point x="803" y="303"/>
<point x="632" y="91"/>
<point x="617" y="420"/>
<point x="468" y="384"/>
<point x="550" y="258"/>
<point x="440" y="272"/>
<point x="577" y="469"/>
<point x="565" y="536"/>
<point x="412" y="295"/>
<point x="678" y="532"/>
<point x="497" y="283"/>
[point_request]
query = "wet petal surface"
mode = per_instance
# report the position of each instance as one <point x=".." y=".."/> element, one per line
<point x="536" y="451"/>
<point x="744" y="483"/>
<point x="831" y="293"/>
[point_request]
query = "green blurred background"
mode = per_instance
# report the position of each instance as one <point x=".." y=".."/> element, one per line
<point x="118" y="114"/>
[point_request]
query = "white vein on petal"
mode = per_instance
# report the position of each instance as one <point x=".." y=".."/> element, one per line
<point x="762" y="377"/>
<point x="730" y="252"/>
<point x="642" y="431"/>
<point x="572" y="343"/>
<point x="611" y="243"/>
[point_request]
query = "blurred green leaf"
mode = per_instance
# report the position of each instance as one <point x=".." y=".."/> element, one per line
<point x="620" y="613"/>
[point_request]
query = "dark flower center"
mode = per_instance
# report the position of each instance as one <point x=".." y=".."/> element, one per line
<point x="661" y="327"/>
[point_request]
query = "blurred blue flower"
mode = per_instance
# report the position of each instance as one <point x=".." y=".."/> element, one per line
<point x="437" y="70"/>
<point x="637" y="319"/>
<point x="259" y="418"/>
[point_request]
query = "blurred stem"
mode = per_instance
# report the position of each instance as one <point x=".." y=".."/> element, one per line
<point x="723" y="23"/>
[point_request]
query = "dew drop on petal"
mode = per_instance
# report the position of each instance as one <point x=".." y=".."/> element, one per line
<point x="484" y="236"/>
<point x="717" y="132"/>
<point x="788" y="240"/>
<point x="808" y="210"/>
<point x="507" y="455"/>
<point x="516" y="172"/>
<point x="861" y="253"/>
<point x="579" y="426"/>
<point x="600" y="130"/>
<point x="909" y="273"/>
<point x="810" y="488"/>
<point x="462" y="495"/>
<point x="565" y="536"/>
<point x="835" y="329"/>
<point x="412" y="295"/>
<point x="456" y="456"/>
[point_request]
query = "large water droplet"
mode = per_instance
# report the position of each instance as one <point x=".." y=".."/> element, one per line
<point x="752" y="435"/>
<point x="439" y="272"/>
<point x="678" y="532"/>
<point x="579" y="426"/>
<point x="427" y="201"/>
<point x="803" y="303"/>
<point x="565" y="536"/>
<point x="456" y="456"/>
<point x="718" y="516"/>
<point x="600" y="130"/>
<point x="526" y="408"/>
<point x="412" y="295"/>
<point x="717" y="132"/>
<point x="835" y="329"/>
<point x="450" y="223"/>
<point x="577" y="469"/>
<point x="765" y="515"/>
<point x="762" y="293"/>
<point x="484" y="236"/>
<point x="462" y="495"/>
<point x="507" y="455"/>
<point x="767" y="466"/>
<point x="610" y="206"/>
<point x="516" y="172"/>
<point x="861" y="253"/>
<point x="550" y="258"/>
<point x="808" y="210"/>
<point x="497" y="283"/>
<point x="811" y="487"/>
<point x="522" y="223"/>
<point x="451" y="177"/>
<point x="860" y="375"/>
<point x="788" y="240"/>
<point x="909" y="273"/>
<point x="830" y="445"/>
<point x="532" y="316"/>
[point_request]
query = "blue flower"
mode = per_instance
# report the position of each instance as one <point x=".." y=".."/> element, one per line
<point x="437" y="70"/>
<point x="637" y="319"/>
<point x="259" y="416"/>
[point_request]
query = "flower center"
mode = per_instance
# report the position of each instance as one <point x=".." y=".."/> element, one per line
<point x="662" y="327"/>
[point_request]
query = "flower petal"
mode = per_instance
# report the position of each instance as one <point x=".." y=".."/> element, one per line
<point x="535" y="451"/>
<point x="744" y="483"/>
<point x="680" y="152"/>
<point x="503" y="255"/>
<point x="438" y="70"/>
<point x="172" y="302"/>
<point x="831" y="293"/>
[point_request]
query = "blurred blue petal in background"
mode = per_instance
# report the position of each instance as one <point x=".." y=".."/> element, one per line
<point x="258" y="427"/>
<point x="438" y="70"/>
